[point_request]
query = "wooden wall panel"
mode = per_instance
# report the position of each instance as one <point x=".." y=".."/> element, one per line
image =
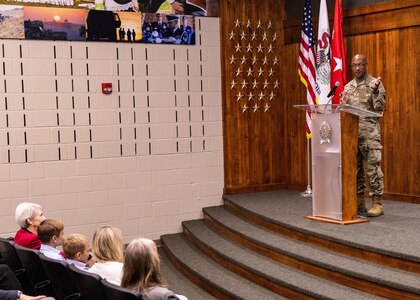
<point x="253" y="141"/>
<point x="266" y="151"/>
<point x="393" y="55"/>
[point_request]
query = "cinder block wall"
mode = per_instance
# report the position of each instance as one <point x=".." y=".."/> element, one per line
<point x="144" y="158"/>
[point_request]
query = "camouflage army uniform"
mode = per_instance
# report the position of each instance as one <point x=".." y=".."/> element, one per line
<point x="369" y="143"/>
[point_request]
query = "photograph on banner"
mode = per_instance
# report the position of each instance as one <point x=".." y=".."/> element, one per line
<point x="168" y="29"/>
<point x="11" y="22"/>
<point x="48" y="23"/>
<point x="130" y="28"/>
<point x="50" y="3"/>
<point x="179" y="7"/>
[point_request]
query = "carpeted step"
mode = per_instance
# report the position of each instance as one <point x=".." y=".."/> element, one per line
<point x="224" y="283"/>
<point x="271" y="271"/>
<point x="380" y="276"/>
<point x="177" y="282"/>
<point x="394" y="234"/>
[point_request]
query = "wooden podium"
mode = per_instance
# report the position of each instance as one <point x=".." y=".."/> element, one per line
<point x="334" y="161"/>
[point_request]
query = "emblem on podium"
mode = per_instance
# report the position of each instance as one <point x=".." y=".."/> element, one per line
<point x="325" y="133"/>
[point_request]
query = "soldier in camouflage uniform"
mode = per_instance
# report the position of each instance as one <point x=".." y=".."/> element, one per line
<point x="367" y="92"/>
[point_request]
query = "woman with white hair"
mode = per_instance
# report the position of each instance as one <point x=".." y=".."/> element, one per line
<point x="29" y="216"/>
<point x="141" y="271"/>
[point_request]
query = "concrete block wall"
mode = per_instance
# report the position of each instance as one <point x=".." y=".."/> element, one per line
<point x="144" y="158"/>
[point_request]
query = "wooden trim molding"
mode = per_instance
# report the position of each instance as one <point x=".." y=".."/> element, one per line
<point x="373" y="18"/>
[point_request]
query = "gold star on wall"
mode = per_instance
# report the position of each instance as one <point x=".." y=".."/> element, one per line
<point x="238" y="47"/>
<point x="254" y="60"/>
<point x="244" y="84"/>
<point x="249" y="72"/>
<point x="264" y="36"/>
<point x="259" y="24"/>
<point x="269" y="25"/>
<point x="270" y="48"/>
<point x="272" y="95"/>
<point x="260" y="72"/>
<point x="250" y="96"/>
<point x="261" y="96"/>
<point x="255" y="107"/>
<point x="265" y="84"/>
<point x="233" y="84"/>
<point x="232" y="59"/>
<point x="254" y="84"/>
<point x="231" y="35"/>
<point x="270" y="72"/>
<point x="243" y="59"/>
<point x="265" y="60"/>
<point x="260" y="48"/>
<point x="253" y="36"/>
<point x="249" y="48"/>
<point x="274" y="36"/>
<point x="266" y="107"/>
<point x="237" y="23"/>
<point x="248" y="24"/>
<point x="239" y="96"/>
<point x="276" y="84"/>
<point x="245" y="108"/>
<point x="275" y="61"/>
<point x="238" y="72"/>
<point x="243" y="35"/>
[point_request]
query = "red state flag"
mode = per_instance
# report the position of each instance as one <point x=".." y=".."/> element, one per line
<point x="338" y="53"/>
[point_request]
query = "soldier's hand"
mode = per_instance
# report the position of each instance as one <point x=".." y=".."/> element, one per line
<point x="344" y="98"/>
<point x="374" y="85"/>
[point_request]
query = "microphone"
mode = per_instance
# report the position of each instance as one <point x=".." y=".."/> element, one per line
<point x="332" y="92"/>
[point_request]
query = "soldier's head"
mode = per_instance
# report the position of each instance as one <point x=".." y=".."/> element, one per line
<point x="185" y="20"/>
<point x="359" y="66"/>
<point x="172" y="21"/>
<point x="158" y="17"/>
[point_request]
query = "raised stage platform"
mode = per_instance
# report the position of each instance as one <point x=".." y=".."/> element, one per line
<point x="260" y="246"/>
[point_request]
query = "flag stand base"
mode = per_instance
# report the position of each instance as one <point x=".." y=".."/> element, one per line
<point x="308" y="192"/>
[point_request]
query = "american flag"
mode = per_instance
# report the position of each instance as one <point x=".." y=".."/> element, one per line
<point x="307" y="60"/>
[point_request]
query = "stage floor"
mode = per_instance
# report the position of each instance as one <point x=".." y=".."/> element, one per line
<point x="396" y="233"/>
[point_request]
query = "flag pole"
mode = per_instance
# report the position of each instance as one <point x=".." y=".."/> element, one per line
<point x="308" y="191"/>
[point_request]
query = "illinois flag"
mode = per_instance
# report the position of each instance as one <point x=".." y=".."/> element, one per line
<point x="306" y="64"/>
<point x="338" y="54"/>
<point x="323" y="49"/>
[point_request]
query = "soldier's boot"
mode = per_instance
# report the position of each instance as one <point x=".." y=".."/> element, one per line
<point x="361" y="205"/>
<point x="377" y="207"/>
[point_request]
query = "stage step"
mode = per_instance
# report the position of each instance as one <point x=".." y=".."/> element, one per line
<point x="368" y="277"/>
<point x="268" y="273"/>
<point x="212" y="277"/>
<point x="178" y="282"/>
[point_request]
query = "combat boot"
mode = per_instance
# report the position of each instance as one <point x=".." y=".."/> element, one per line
<point x="361" y="205"/>
<point x="377" y="207"/>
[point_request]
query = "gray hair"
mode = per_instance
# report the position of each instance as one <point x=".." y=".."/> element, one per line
<point x="24" y="211"/>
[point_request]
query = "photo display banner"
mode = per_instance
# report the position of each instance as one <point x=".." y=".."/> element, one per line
<point x="201" y="8"/>
<point x="52" y="23"/>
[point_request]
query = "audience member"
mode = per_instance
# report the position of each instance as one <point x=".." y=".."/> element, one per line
<point x="141" y="271"/>
<point x="77" y="250"/>
<point x="51" y="234"/>
<point x="10" y="286"/>
<point x="107" y="247"/>
<point x="29" y="216"/>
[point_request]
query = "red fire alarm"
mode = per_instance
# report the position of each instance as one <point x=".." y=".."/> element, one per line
<point x="107" y="88"/>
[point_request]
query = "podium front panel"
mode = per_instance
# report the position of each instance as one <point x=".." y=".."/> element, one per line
<point x="326" y="166"/>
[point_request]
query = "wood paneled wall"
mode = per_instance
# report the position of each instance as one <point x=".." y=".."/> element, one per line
<point x="264" y="152"/>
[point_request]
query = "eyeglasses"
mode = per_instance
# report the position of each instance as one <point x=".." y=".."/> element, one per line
<point x="354" y="66"/>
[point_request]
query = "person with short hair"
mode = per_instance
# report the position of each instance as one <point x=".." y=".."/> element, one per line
<point x="107" y="248"/>
<point x="28" y="216"/>
<point x="51" y="234"/>
<point x="77" y="249"/>
<point x="141" y="271"/>
<point x="368" y="93"/>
